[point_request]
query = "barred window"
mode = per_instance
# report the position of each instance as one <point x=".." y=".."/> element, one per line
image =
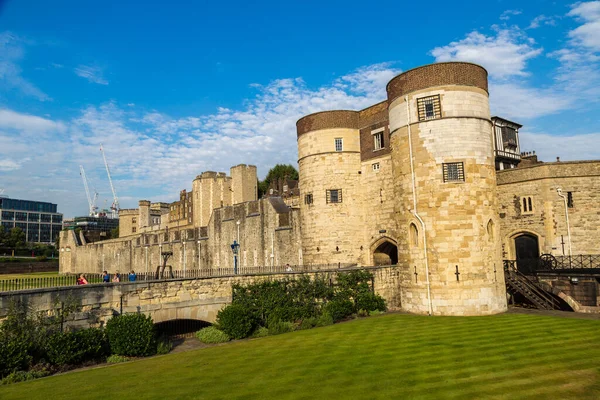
<point x="334" y="195"/>
<point x="308" y="198"/>
<point x="509" y="137"/>
<point x="429" y="107"/>
<point x="453" y="172"/>
<point x="339" y="144"/>
<point x="570" y="199"/>
<point x="376" y="167"/>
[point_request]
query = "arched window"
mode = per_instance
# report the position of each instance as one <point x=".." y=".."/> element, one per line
<point x="414" y="235"/>
<point x="490" y="229"/>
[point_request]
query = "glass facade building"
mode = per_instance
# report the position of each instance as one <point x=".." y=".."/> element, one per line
<point x="39" y="220"/>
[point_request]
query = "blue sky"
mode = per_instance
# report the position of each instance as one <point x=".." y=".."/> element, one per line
<point x="176" y="88"/>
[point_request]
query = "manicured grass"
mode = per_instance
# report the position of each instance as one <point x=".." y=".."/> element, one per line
<point x="28" y="275"/>
<point x="507" y="356"/>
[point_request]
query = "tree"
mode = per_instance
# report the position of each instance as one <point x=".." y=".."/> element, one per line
<point x="2" y="235"/>
<point x="279" y="171"/>
<point x="114" y="233"/>
<point x="16" y="238"/>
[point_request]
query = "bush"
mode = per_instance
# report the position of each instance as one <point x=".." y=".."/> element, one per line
<point x="115" y="359"/>
<point x="260" y="332"/>
<point x="376" y="312"/>
<point x="165" y="345"/>
<point x="325" y="319"/>
<point x="14" y="353"/>
<point x="339" y="309"/>
<point x="211" y="334"/>
<point x="362" y="313"/>
<point x="41" y="258"/>
<point x="74" y="348"/>
<point x="131" y="335"/>
<point x="279" y="327"/>
<point x="236" y="320"/>
<point x="370" y="302"/>
<point x="308" y="323"/>
<point x="22" y="376"/>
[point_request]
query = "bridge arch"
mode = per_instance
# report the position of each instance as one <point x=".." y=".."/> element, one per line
<point x="384" y="251"/>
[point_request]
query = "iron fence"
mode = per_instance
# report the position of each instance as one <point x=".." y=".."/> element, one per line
<point x="161" y="275"/>
<point x="549" y="262"/>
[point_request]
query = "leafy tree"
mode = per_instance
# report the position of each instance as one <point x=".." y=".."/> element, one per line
<point x="15" y="238"/>
<point x="2" y="235"/>
<point x="114" y="233"/>
<point x="279" y="171"/>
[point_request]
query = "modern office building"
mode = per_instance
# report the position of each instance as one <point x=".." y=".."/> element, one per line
<point x="39" y="220"/>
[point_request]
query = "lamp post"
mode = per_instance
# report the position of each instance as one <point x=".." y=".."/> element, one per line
<point x="235" y="247"/>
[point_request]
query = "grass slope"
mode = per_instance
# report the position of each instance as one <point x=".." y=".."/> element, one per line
<point x="391" y="356"/>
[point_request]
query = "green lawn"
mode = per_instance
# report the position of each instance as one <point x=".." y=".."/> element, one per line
<point x="28" y="275"/>
<point x="509" y="356"/>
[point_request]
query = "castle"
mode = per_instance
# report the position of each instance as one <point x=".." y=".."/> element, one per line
<point x="426" y="180"/>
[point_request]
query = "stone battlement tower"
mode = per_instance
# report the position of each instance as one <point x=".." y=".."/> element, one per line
<point x="411" y="181"/>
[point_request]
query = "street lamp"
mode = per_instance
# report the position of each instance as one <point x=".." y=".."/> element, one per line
<point x="235" y="248"/>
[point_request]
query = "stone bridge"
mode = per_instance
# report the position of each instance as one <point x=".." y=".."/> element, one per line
<point x="168" y="300"/>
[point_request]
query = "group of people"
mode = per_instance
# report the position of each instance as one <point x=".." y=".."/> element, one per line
<point x="132" y="277"/>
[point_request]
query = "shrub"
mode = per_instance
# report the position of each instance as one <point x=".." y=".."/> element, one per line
<point x="362" y="313"/>
<point x="211" y="334"/>
<point x="131" y="335"/>
<point x="165" y="345"/>
<point x="324" y="319"/>
<point x="115" y="359"/>
<point x="375" y="312"/>
<point x="41" y="258"/>
<point x="21" y="376"/>
<point x="260" y="332"/>
<point x="370" y="302"/>
<point x="308" y="323"/>
<point x="279" y="327"/>
<point x="14" y="353"/>
<point x="73" y="348"/>
<point x="236" y="320"/>
<point x="339" y="309"/>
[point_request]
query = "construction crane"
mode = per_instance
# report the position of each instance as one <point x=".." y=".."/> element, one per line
<point x="92" y="205"/>
<point x="115" y="205"/>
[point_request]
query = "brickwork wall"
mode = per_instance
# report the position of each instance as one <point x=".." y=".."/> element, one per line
<point x="548" y="220"/>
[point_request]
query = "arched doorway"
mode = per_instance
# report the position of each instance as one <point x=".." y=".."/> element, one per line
<point x="527" y="251"/>
<point x="385" y="254"/>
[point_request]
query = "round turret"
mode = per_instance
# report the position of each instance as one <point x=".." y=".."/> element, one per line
<point x="445" y="190"/>
<point x="329" y="165"/>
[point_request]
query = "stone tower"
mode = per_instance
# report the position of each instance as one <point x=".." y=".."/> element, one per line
<point x="445" y="190"/>
<point x="144" y="217"/>
<point x="329" y="165"/>
<point x="243" y="183"/>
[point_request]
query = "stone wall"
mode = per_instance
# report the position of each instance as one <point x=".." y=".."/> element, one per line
<point x="264" y="230"/>
<point x="198" y="299"/>
<point x="548" y="220"/>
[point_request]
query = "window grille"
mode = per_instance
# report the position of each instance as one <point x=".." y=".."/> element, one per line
<point x="339" y="144"/>
<point x="509" y="136"/>
<point x="429" y="107"/>
<point x="308" y="199"/>
<point x="376" y="167"/>
<point x="570" y="199"/>
<point x="334" y="196"/>
<point x="453" y="172"/>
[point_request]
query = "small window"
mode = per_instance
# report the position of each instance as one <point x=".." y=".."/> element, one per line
<point x="308" y="198"/>
<point x="429" y="107"/>
<point x="133" y="220"/>
<point x="414" y="235"/>
<point x="334" y="196"/>
<point x="453" y="172"/>
<point x="339" y="144"/>
<point x="527" y="205"/>
<point x="376" y="167"/>
<point x="378" y="143"/>
<point x="133" y="229"/>
<point x="570" y="199"/>
<point x="490" y="229"/>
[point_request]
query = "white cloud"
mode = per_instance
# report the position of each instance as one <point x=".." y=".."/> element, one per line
<point x="12" y="51"/>
<point x="93" y="74"/>
<point x="542" y="20"/>
<point x="505" y="16"/>
<point x="588" y="34"/>
<point x="9" y="165"/>
<point x="504" y="54"/>
<point x="25" y="123"/>
<point x="517" y="101"/>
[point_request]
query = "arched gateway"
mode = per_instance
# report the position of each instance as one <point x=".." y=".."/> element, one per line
<point x="385" y="253"/>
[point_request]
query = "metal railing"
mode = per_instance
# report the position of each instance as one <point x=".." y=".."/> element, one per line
<point x="528" y="287"/>
<point x="162" y="275"/>
<point x="549" y="262"/>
